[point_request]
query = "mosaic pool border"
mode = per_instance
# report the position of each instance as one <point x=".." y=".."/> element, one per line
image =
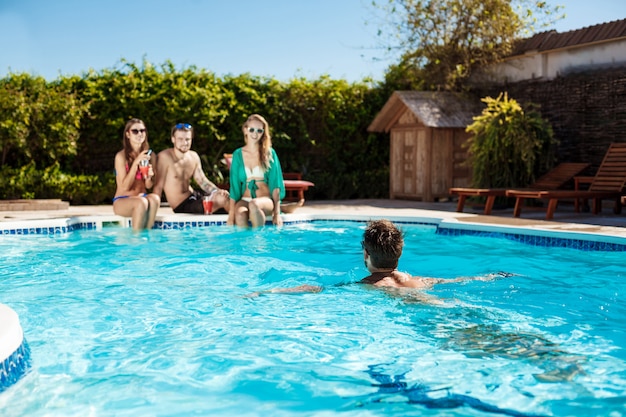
<point x="50" y="230"/>
<point x="15" y="366"/>
<point x="529" y="236"/>
<point x="533" y="240"/>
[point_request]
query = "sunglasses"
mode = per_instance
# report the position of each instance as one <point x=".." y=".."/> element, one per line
<point x="259" y="131"/>
<point x="182" y="126"/>
<point x="137" y="131"/>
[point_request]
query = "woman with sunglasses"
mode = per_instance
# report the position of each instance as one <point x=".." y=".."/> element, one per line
<point x="256" y="178"/>
<point x="131" y="197"/>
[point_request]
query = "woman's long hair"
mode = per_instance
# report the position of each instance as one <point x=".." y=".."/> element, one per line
<point x="128" y="149"/>
<point x="265" y="144"/>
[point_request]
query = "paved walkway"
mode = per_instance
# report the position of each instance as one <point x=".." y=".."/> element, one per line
<point x="565" y="218"/>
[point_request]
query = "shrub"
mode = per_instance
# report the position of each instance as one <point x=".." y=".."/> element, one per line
<point x="511" y="145"/>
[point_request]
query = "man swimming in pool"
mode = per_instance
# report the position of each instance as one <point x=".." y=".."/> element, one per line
<point x="176" y="166"/>
<point x="382" y="247"/>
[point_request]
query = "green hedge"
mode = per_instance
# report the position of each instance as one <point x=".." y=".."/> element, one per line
<point x="30" y="182"/>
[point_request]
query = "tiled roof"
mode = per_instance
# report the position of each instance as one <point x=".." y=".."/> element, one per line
<point x="433" y="109"/>
<point x="550" y="40"/>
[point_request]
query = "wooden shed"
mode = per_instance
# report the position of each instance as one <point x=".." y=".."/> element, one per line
<point x="427" y="156"/>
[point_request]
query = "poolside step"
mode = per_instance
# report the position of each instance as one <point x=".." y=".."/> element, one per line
<point x="31" y="205"/>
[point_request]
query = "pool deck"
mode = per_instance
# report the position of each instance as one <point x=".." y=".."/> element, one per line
<point x="565" y="219"/>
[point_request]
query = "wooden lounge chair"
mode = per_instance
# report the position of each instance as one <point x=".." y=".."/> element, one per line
<point x="552" y="180"/>
<point x="608" y="183"/>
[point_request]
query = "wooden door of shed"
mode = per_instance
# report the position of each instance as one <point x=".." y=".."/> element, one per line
<point x="409" y="164"/>
<point x="425" y="162"/>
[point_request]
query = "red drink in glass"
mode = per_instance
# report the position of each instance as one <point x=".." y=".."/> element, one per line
<point x="207" y="203"/>
<point x="144" y="171"/>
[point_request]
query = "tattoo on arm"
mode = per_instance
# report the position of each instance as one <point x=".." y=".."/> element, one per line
<point x="208" y="186"/>
<point x="202" y="181"/>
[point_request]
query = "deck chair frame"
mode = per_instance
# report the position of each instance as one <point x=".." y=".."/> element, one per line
<point x="608" y="183"/>
<point x="553" y="179"/>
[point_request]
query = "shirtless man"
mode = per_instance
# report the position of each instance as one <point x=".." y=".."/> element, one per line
<point x="382" y="247"/>
<point x="176" y="166"/>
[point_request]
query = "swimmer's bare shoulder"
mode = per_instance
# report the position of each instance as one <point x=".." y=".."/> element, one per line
<point x="396" y="279"/>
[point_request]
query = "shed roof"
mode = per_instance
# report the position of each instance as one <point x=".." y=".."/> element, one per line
<point x="550" y="40"/>
<point x="433" y="109"/>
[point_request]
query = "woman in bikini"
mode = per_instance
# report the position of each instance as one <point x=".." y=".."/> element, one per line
<point x="131" y="197"/>
<point x="256" y="178"/>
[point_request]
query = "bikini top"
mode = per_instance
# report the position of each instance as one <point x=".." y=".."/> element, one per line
<point x="137" y="175"/>
<point x="256" y="173"/>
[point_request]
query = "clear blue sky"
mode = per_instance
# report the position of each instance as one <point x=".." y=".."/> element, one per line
<point x="278" y="38"/>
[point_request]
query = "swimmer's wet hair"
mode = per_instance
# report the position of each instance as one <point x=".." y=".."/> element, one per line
<point x="383" y="242"/>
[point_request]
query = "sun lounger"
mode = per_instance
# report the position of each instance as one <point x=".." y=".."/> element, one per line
<point x="554" y="179"/>
<point x="608" y="183"/>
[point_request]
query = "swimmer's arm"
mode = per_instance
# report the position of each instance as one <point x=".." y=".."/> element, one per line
<point x="488" y="277"/>
<point x="300" y="289"/>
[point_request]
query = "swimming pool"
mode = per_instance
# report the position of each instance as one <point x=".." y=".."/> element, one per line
<point x="158" y="323"/>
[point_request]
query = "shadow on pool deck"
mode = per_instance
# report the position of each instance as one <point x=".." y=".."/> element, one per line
<point x="564" y="219"/>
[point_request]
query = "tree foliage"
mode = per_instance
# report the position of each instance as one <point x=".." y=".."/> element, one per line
<point x="440" y="42"/>
<point x="325" y="122"/>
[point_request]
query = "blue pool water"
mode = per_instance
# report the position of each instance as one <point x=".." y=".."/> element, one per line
<point x="158" y="324"/>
